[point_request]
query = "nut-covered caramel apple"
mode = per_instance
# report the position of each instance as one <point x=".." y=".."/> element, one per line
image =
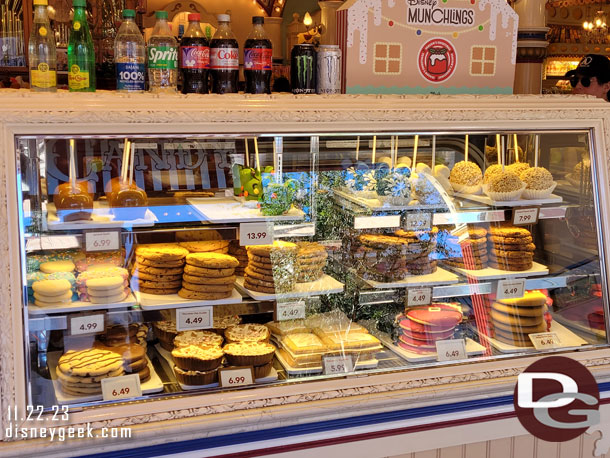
<point x="73" y="204"/>
<point x="128" y="202"/>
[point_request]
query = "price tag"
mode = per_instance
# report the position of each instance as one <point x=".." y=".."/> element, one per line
<point x="103" y="241"/>
<point x="525" y="216"/>
<point x="290" y="310"/>
<point x="419" y="296"/>
<point x="123" y="387"/>
<point x="86" y="324"/>
<point x="338" y="364"/>
<point x="255" y="234"/>
<point x="545" y="340"/>
<point x="449" y="350"/>
<point x="194" y="318"/>
<point x="418" y="222"/>
<point x="511" y="289"/>
<point x="236" y="376"/>
<point x="229" y="193"/>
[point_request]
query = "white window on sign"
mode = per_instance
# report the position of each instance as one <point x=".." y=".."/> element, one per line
<point x="388" y="59"/>
<point x="483" y="60"/>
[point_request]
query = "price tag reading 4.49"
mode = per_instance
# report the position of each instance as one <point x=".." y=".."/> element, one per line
<point x="126" y="386"/>
<point x="418" y="221"/>
<point x="419" y="296"/>
<point x="510" y="289"/>
<point x="86" y="324"/>
<point x="338" y="364"/>
<point x="255" y="234"/>
<point x="290" y="310"/>
<point x="525" y="216"/>
<point x="103" y="241"/>
<point x="545" y="340"/>
<point x="194" y="318"/>
<point x="236" y="376"/>
<point x="449" y="350"/>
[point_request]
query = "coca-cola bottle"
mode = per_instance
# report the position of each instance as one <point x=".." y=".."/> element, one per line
<point x="257" y="59"/>
<point x="224" y="58"/>
<point x="194" y="58"/>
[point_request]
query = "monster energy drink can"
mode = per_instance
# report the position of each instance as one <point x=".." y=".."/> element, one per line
<point x="329" y="69"/>
<point x="303" y="69"/>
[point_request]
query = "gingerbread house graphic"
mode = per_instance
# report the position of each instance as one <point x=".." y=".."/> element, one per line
<point x="427" y="46"/>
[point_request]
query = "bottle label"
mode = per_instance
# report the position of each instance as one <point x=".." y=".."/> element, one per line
<point x="257" y="58"/>
<point x="77" y="79"/>
<point x="42" y="31"/>
<point x="163" y="57"/>
<point x="224" y="58"/>
<point x="76" y="25"/>
<point x="43" y="77"/>
<point x="130" y="76"/>
<point x="195" y="56"/>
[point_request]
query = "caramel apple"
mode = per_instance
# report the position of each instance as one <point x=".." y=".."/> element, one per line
<point x="81" y="185"/>
<point x="73" y="204"/>
<point x="128" y="202"/>
<point x="113" y="185"/>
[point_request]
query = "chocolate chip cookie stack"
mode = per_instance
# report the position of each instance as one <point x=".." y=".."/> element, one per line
<point x="311" y="260"/>
<point x="510" y="248"/>
<point x="134" y="358"/>
<point x="241" y="254"/>
<point x="379" y="257"/>
<point x="514" y="319"/>
<point x="471" y="253"/>
<point x="422" y="243"/>
<point x="158" y="268"/>
<point x="208" y="276"/>
<point x="271" y="268"/>
<point x="80" y="372"/>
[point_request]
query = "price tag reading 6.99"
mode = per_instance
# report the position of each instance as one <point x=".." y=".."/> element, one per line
<point x="255" y="234"/>
<point x="102" y="241"/>
<point x="236" y="376"/>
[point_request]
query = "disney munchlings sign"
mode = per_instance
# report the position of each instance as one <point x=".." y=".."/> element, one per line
<point x="427" y="46"/>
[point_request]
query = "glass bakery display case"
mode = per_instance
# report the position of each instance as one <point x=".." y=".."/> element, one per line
<point x="158" y="265"/>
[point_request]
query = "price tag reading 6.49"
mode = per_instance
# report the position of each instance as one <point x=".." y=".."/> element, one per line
<point x="450" y="350"/>
<point x="255" y="234"/>
<point x="126" y="386"/>
<point x="545" y="340"/>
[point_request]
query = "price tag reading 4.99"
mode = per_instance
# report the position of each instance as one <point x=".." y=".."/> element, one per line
<point x="338" y="364"/>
<point x="290" y="310"/>
<point x="545" y="340"/>
<point x="102" y="241"/>
<point x="449" y="350"/>
<point x="126" y="386"/>
<point x="419" y="296"/>
<point x="510" y="289"/>
<point x="238" y="376"/>
<point x="525" y="216"/>
<point x="255" y="234"/>
<point x="87" y="324"/>
<point x="194" y="318"/>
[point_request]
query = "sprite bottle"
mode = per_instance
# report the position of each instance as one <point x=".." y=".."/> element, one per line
<point x="162" y="52"/>
<point x="81" y="55"/>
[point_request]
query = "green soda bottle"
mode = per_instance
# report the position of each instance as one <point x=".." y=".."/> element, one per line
<point x="81" y="55"/>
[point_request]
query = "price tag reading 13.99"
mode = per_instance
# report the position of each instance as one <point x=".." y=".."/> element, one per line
<point x="238" y="376"/>
<point x="418" y="221"/>
<point x="255" y="234"/>
<point x="126" y="386"/>
<point x="419" y="296"/>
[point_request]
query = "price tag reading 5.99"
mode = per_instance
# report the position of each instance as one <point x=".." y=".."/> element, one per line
<point x="338" y="364"/>
<point x="238" y="376"/>
<point x="255" y="234"/>
<point x="419" y="296"/>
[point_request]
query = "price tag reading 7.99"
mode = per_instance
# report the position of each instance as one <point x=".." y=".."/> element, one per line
<point x="419" y="296"/>
<point x="255" y="234"/>
<point x="525" y="216"/>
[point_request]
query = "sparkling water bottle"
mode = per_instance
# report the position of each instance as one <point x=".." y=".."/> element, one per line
<point x="162" y="57"/>
<point x="81" y="54"/>
<point x="129" y="55"/>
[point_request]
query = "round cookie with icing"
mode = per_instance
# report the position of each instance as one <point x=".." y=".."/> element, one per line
<point x="442" y="315"/>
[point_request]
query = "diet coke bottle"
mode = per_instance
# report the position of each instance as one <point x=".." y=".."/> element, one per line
<point x="257" y="59"/>
<point x="224" y="58"/>
<point x="194" y="58"/>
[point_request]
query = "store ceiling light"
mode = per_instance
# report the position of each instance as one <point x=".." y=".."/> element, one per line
<point x="596" y="29"/>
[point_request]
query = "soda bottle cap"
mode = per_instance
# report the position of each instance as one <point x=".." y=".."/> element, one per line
<point x="41" y="2"/>
<point x="258" y="20"/>
<point x="194" y="17"/>
<point x="329" y="46"/>
<point x="80" y="3"/>
<point x="159" y="14"/>
<point x="129" y="13"/>
<point x="223" y="18"/>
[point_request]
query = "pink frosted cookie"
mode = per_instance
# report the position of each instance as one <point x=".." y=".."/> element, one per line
<point x="106" y="259"/>
<point x="416" y="349"/>
<point x="442" y="315"/>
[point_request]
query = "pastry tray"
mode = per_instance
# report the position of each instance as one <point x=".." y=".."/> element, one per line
<point x="472" y="349"/>
<point x="580" y="327"/>
<point x="489" y="273"/>
<point x="439" y="278"/>
<point x="81" y="306"/>
<point x="272" y="377"/>
<point x="483" y="199"/>
<point x="229" y="210"/>
<point x="324" y="285"/>
<point x="568" y="339"/>
<point x="376" y="205"/>
<point x="290" y="370"/>
<point x="101" y="218"/>
<point x="173" y="301"/>
<point x="153" y="385"/>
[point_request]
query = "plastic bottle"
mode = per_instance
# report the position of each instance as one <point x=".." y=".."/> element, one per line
<point x="194" y="58"/>
<point x="129" y="55"/>
<point x="43" y="57"/>
<point x="162" y="57"/>
<point x="224" y="58"/>
<point x="257" y="59"/>
<point x="81" y="54"/>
